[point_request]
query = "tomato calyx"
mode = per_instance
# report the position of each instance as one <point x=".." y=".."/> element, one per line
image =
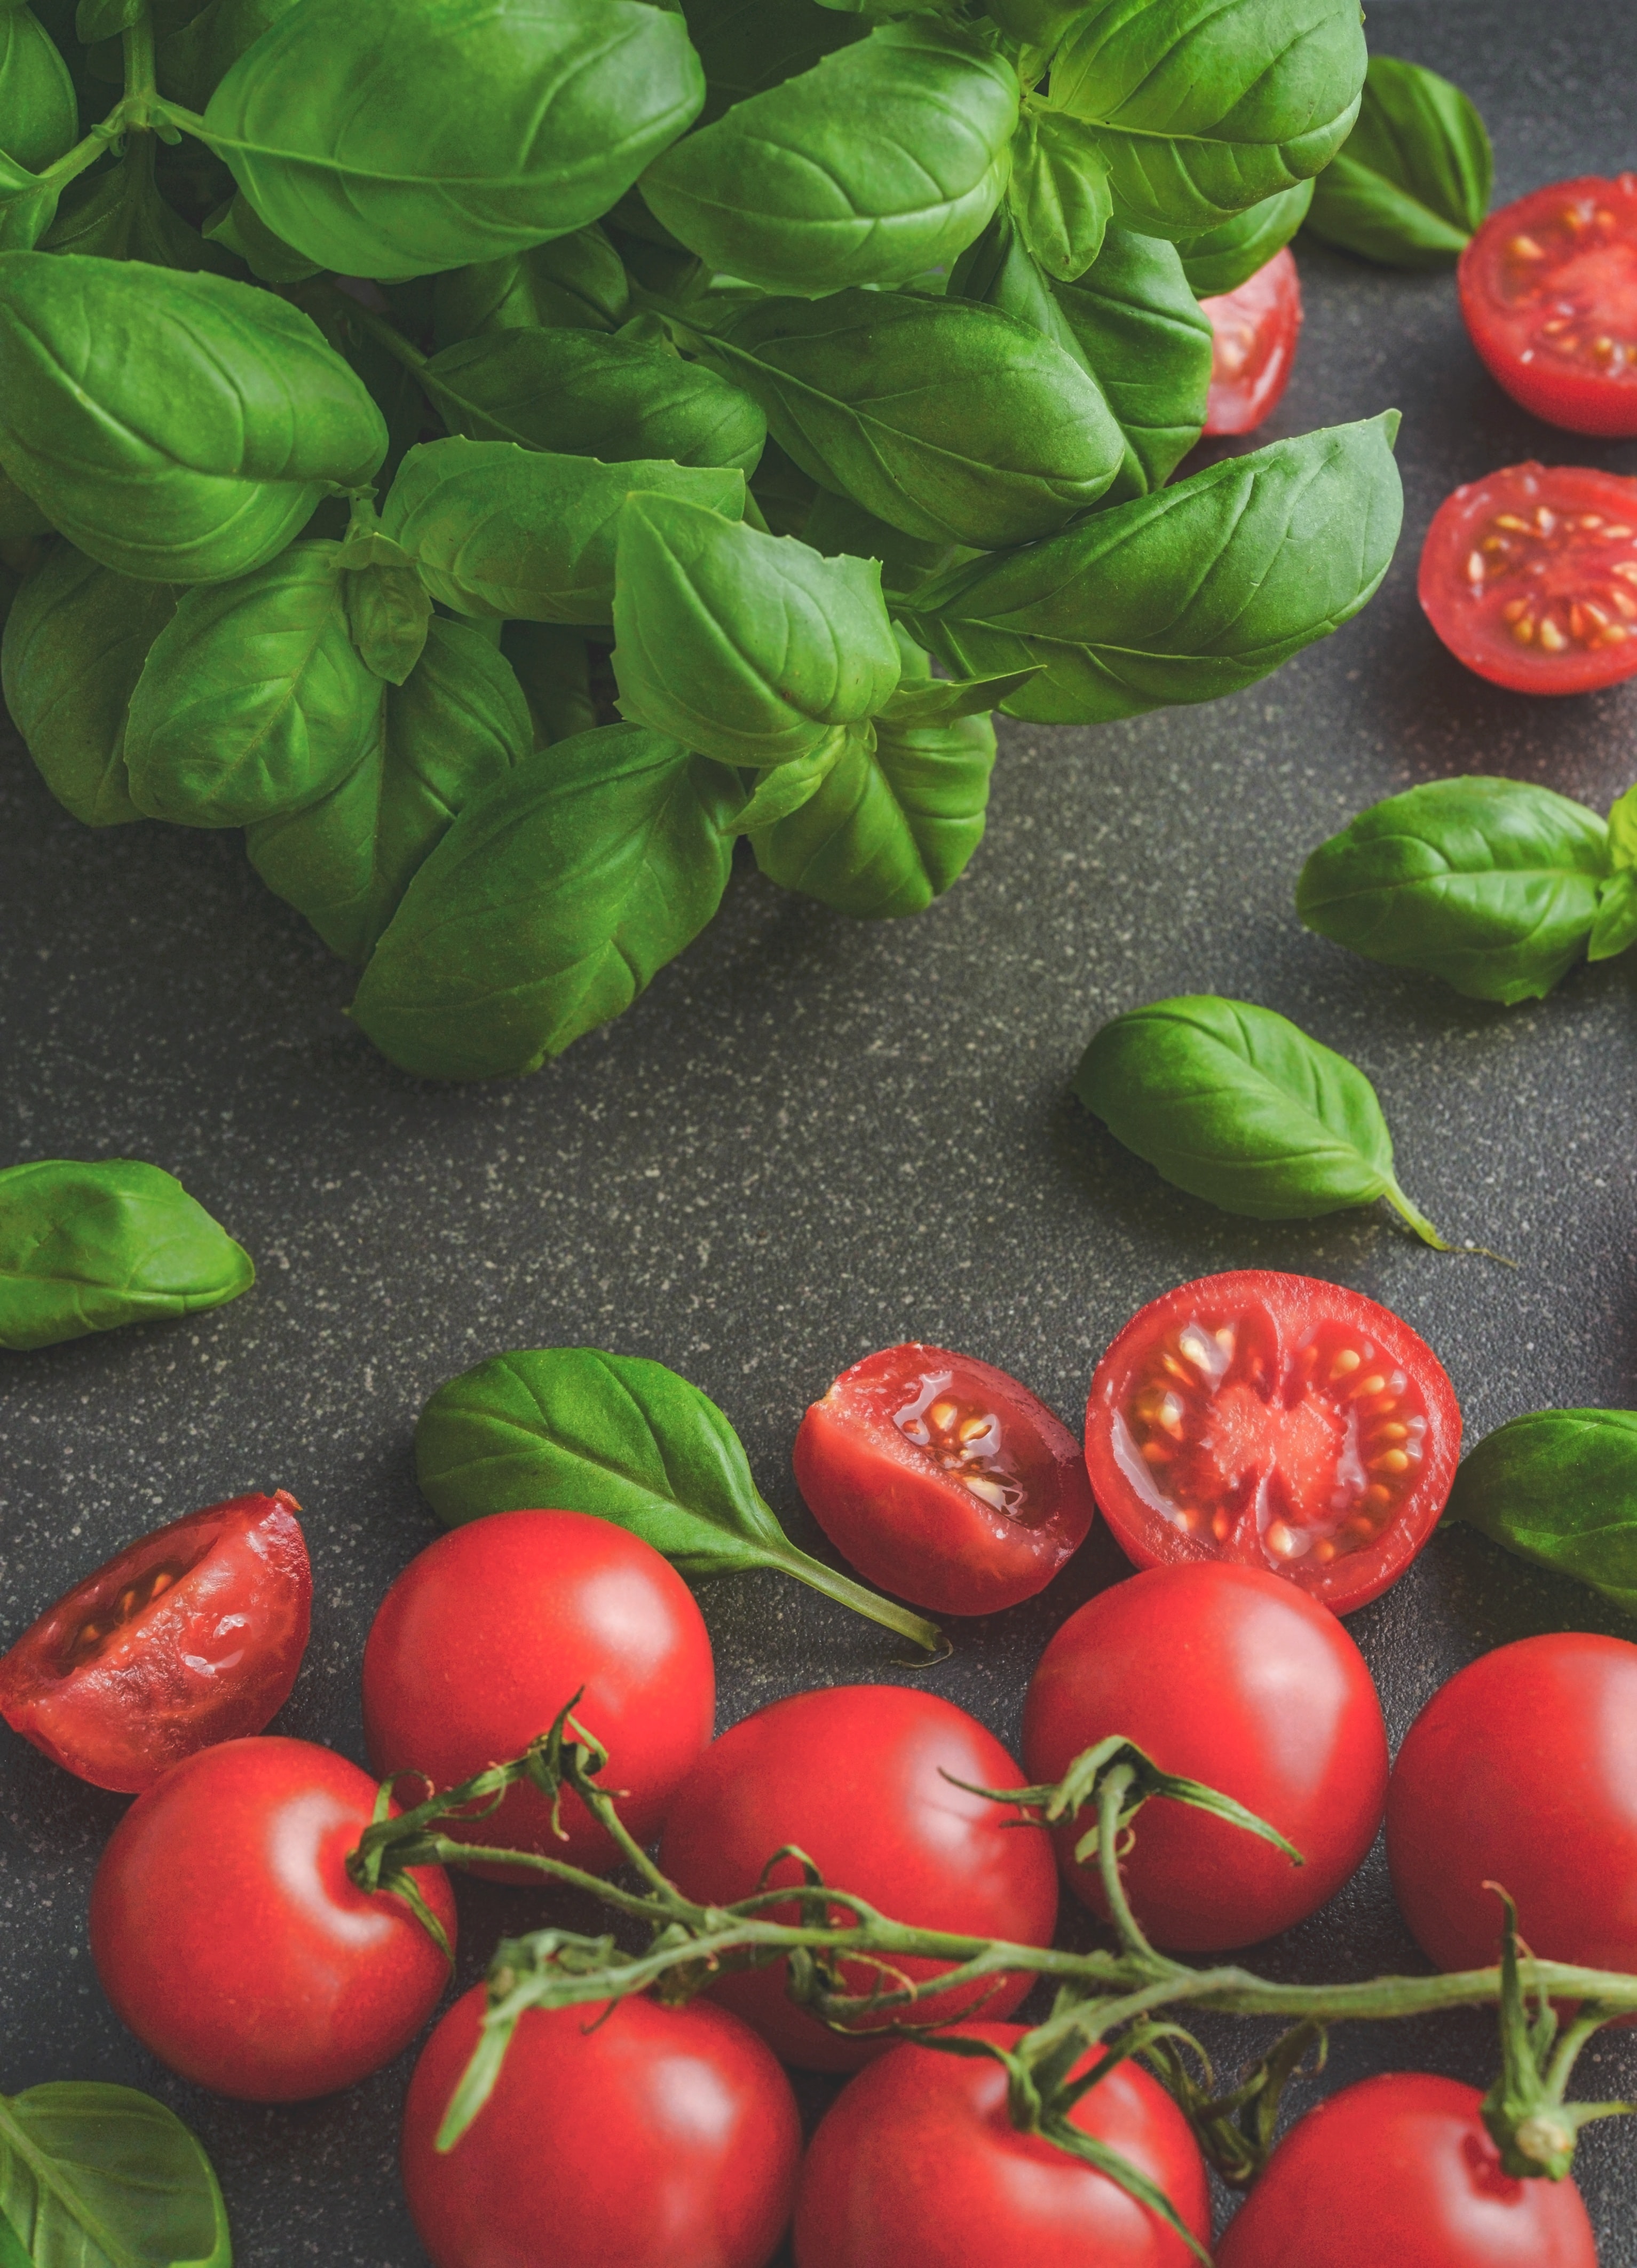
<point x="1530" y="2124"/>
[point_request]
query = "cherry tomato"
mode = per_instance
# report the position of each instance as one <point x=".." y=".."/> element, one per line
<point x="1529" y="577"/>
<point x="1400" y="2170"/>
<point x="917" y="2161"/>
<point x="486" y="1635"/>
<point x="855" y="1776"/>
<point x="1274" y="1422"/>
<point x="1522" y="1771"/>
<point x="229" y="1937"/>
<point x="1232" y="1677"/>
<point x="191" y="1635"/>
<point x="943" y="1480"/>
<point x="1549" y="291"/>
<point x="1253" y="345"/>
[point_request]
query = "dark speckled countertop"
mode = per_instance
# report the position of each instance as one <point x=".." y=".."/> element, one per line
<point x="813" y="1137"/>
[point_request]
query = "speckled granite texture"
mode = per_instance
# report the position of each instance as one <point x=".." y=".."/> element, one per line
<point x="813" y="1137"/>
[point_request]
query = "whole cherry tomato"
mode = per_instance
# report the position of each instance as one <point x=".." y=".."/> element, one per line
<point x="229" y="1937"/>
<point x="1547" y="290"/>
<point x="190" y="1635"/>
<point x="1399" y="2172"/>
<point x="1237" y="1679"/>
<point x="856" y="1776"/>
<point x="917" y="2162"/>
<point x="943" y="1480"/>
<point x="493" y="1628"/>
<point x="654" y="2137"/>
<point x="1253" y="343"/>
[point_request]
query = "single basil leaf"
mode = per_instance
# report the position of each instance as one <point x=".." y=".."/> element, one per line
<point x="238" y="228"/>
<point x="1615" y="927"/>
<point x="997" y="269"/>
<point x="576" y="282"/>
<point x="391" y="143"/>
<point x="1226" y="256"/>
<point x="27" y="206"/>
<point x="625" y="1441"/>
<point x="785" y="192"/>
<point x="836" y="524"/>
<point x="511" y="533"/>
<point x="747" y="46"/>
<point x="192" y="61"/>
<point x="784" y="788"/>
<point x="121" y="215"/>
<point x="103" y="2177"/>
<point x="1412" y="181"/>
<point x="76" y="641"/>
<point x="929" y="702"/>
<point x="454" y="729"/>
<point x="1059" y="193"/>
<point x="1560" y="1487"/>
<point x="389" y="613"/>
<point x="1623" y="831"/>
<point x="20" y="517"/>
<point x="13" y="2254"/>
<point x="1185" y="595"/>
<point x="38" y="115"/>
<point x="549" y="905"/>
<point x="752" y="648"/>
<point x="1491" y="884"/>
<point x="1148" y="342"/>
<point x="87" y="1247"/>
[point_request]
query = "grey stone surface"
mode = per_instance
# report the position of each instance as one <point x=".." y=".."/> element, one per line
<point x="813" y="1137"/>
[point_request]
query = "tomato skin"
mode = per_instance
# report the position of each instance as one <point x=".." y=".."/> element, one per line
<point x="229" y="1938"/>
<point x="211" y="1657"/>
<point x="1254" y="332"/>
<point x="889" y="1506"/>
<point x="852" y="1775"/>
<point x="664" y="2138"/>
<point x="916" y="2160"/>
<point x="493" y="1628"/>
<point x="1579" y="277"/>
<point x="1400" y="2169"/>
<point x="1235" y="1678"/>
<point x="1521" y="1771"/>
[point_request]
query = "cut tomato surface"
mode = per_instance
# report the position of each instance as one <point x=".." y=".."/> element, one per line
<point x="1253" y="344"/>
<point x="1529" y="577"/>
<point x="1274" y="1422"/>
<point x="1549" y="291"/>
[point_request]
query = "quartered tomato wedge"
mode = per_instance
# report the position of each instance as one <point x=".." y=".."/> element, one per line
<point x="1274" y="1422"/>
<point x="1549" y="291"/>
<point x="192" y="1635"/>
<point x="1254" y="346"/>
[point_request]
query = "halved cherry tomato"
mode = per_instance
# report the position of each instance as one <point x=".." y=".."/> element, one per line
<point x="1529" y="577"/>
<point x="1253" y="345"/>
<point x="1549" y="291"/>
<point x="1274" y="1422"/>
<point x="943" y="1480"/>
<point x="191" y="1635"/>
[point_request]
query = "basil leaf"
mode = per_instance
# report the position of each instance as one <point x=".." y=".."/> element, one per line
<point x="752" y="648"/>
<point x="1239" y="1106"/>
<point x="1560" y="1487"/>
<point x="549" y="905"/>
<point x="1623" y="831"/>
<point x="554" y="669"/>
<point x="746" y="46"/>
<point x="177" y="428"/>
<point x="1059" y="192"/>
<point x="454" y="729"/>
<point x="997" y="269"/>
<point x="625" y="1441"/>
<point x="192" y="61"/>
<point x="119" y="215"/>
<point x="1412" y="181"/>
<point x="1037" y="23"/>
<point x="20" y="517"/>
<point x="1615" y="926"/>
<point x="576" y="282"/>
<point x="1226" y="256"/>
<point x="1148" y="342"/>
<point x="834" y="524"/>
<point x="785" y="497"/>
<point x="785" y="192"/>
<point x="1185" y="595"/>
<point x="511" y="533"/>
<point x="85" y="1247"/>
<point x="1491" y="884"/>
<point x="388" y="614"/>
<point x="75" y="640"/>
<point x="391" y="143"/>
<point x="38" y="115"/>
<point x="103" y="2177"/>
<point x="238" y="228"/>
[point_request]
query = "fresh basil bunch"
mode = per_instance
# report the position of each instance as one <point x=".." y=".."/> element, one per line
<point x="498" y="455"/>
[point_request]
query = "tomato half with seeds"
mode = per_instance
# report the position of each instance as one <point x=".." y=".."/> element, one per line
<point x="943" y="1480"/>
<point x="1549" y="291"/>
<point x="1275" y="1421"/>
<point x="1253" y="344"/>
<point x="192" y="1634"/>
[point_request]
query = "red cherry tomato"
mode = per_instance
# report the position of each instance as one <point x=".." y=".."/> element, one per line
<point x="1274" y="1422"/>
<point x="943" y="1480"/>
<point x="229" y="1938"/>
<point x="1529" y="577"/>
<point x="854" y="1775"/>
<point x="1235" y="1678"/>
<point x="486" y="1635"/>
<point x="917" y="2162"/>
<point x="1522" y="1771"/>
<point x="656" y="2137"/>
<point x="191" y="1635"/>
<point x="1401" y="2169"/>
<point x="1253" y="345"/>
<point x="1549" y="291"/>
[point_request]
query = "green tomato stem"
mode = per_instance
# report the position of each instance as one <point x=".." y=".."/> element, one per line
<point x="863" y="1600"/>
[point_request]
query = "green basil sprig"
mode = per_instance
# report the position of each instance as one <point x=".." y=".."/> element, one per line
<point x="1560" y="1487"/>
<point x="630" y="1441"/>
<point x="103" y="2177"/>
<point x="1411" y="182"/>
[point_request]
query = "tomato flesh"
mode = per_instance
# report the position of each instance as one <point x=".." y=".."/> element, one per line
<point x="191" y="1635"/>
<point x="1274" y="1422"/>
<point x="943" y="1480"/>
<point x="1253" y="344"/>
<point x="1549" y="291"/>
